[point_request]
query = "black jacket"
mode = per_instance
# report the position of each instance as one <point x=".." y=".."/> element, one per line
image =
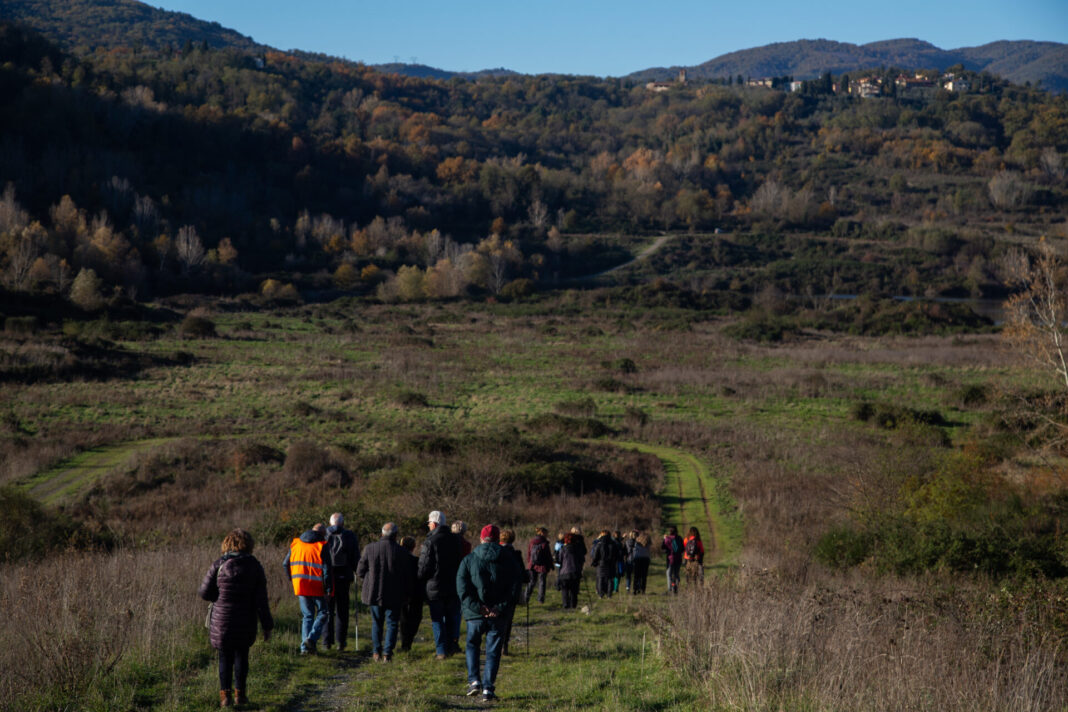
<point x="439" y="559"/>
<point x="604" y="556"/>
<point x="386" y="574"/>
<point x="237" y="585"/>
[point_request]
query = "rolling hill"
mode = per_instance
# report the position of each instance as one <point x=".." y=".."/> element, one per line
<point x="1018" y="61"/>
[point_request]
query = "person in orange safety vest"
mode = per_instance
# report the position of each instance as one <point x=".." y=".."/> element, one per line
<point x="309" y="570"/>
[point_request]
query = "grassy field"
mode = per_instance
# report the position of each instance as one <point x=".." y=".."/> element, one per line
<point x="549" y="414"/>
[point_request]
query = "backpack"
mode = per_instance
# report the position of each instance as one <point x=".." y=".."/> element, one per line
<point x="540" y="556"/>
<point x="691" y="548"/>
<point x="676" y="545"/>
<point x="339" y="556"/>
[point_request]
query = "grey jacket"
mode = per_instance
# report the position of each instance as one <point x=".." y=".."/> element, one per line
<point x="386" y="573"/>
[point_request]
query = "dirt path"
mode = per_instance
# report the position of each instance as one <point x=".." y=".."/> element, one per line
<point x="72" y="476"/>
<point x="657" y="244"/>
<point x="689" y="499"/>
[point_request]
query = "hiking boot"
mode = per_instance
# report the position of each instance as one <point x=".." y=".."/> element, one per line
<point x="387" y="658"/>
<point x="473" y="688"/>
<point x="225" y="700"/>
<point x="377" y="657"/>
<point x="240" y="698"/>
<point x="488" y="696"/>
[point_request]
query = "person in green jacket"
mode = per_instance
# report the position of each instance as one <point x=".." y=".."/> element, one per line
<point x="488" y="582"/>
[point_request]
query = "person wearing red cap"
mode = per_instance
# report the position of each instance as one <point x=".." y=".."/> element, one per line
<point x="488" y="582"/>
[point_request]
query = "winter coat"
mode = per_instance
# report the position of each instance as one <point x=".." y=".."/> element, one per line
<point x="324" y="573"/>
<point x="543" y="564"/>
<point x="386" y="574"/>
<point x="579" y="543"/>
<point x="603" y="555"/>
<point x="700" y="557"/>
<point x="237" y="585"/>
<point x="628" y="550"/>
<point x="343" y="550"/>
<point x="439" y="558"/>
<point x="415" y="594"/>
<point x="639" y="551"/>
<point x="524" y="577"/>
<point x="672" y="558"/>
<point x="571" y="561"/>
<point x="489" y="576"/>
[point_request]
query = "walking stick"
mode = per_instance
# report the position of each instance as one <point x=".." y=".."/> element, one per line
<point x="528" y="627"/>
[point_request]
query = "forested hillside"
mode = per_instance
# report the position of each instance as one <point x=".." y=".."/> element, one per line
<point x="200" y="169"/>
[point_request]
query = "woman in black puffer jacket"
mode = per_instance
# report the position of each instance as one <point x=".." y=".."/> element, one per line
<point x="237" y="586"/>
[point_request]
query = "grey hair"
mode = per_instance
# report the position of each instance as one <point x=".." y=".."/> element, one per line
<point x="389" y="529"/>
<point x="337" y="519"/>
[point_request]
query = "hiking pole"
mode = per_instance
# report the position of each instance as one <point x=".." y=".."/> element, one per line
<point x="528" y="627"/>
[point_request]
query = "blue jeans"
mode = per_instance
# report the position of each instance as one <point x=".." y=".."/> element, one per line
<point x="491" y="628"/>
<point x="445" y="621"/>
<point x="313" y="610"/>
<point x="391" y="618"/>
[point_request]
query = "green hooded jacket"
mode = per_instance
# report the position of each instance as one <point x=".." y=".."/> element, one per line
<point x="489" y="576"/>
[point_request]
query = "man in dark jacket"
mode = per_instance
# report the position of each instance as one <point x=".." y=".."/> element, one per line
<point x="488" y="582"/>
<point x="309" y="570"/>
<point x="439" y="558"/>
<point x="603" y="556"/>
<point x="539" y="562"/>
<point x="343" y="549"/>
<point x="387" y="582"/>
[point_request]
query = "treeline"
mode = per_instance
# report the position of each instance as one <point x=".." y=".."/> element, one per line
<point x="207" y="170"/>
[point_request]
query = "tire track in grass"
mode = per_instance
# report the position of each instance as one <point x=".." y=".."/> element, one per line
<point x="75" y="474"/>
<point x="701" y="499"/>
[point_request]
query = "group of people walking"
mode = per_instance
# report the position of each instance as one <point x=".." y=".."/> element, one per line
<point x="481" y="585"/>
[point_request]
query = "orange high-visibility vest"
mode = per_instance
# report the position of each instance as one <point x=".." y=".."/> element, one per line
<point x="306" y="567"/>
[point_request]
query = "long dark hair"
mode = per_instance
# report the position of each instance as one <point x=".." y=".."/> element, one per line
<point x="695" y="534"/>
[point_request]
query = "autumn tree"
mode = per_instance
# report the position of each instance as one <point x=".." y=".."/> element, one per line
<point x="1036" y="316"/>
<point x="85" y="291"/>
<point x="188" y="248"/>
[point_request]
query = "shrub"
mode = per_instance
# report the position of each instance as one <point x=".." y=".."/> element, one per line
<point x="85" y="290"/>
<point x="517" y="289"/>
<point x="635" y="418"/>
<point x="972" y="395"/>
<point x="22" y="325"/>
<point x="307" y="462"/>
<point x="581" y="408"/>
<point x="843" y="547"/>
<point x="621" y="365"/>
<point x="412" y="399"/>
<point x="572" y="427"/>
<point x="196" y="327"/>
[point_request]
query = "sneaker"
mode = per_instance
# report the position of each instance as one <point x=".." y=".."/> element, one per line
<point x="488" y="696"/>
<point x="439" y="656"/>
<point x="377" y="657"/>
<point x="473" y="688"/>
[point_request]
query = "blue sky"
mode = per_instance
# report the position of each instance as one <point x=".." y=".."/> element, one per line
<point x="611" y="38"/>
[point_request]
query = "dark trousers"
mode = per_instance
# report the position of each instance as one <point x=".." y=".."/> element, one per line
<point x="506" y="626"/>
<point x="641" y="574"/>
<point x="411" y="617"/>
<point x="604" y="585"/>
<point x="233" y="668"/>
<point x="569" y="589"/>
<point x="537" y="578"/>
<point x="337" y="621"/>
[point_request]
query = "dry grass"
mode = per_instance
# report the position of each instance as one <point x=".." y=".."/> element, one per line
<point x="760" y="641"/>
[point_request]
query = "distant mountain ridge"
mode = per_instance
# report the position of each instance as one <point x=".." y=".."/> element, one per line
<point x="114" y="23"/>
<point x="1018" y="61"/>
